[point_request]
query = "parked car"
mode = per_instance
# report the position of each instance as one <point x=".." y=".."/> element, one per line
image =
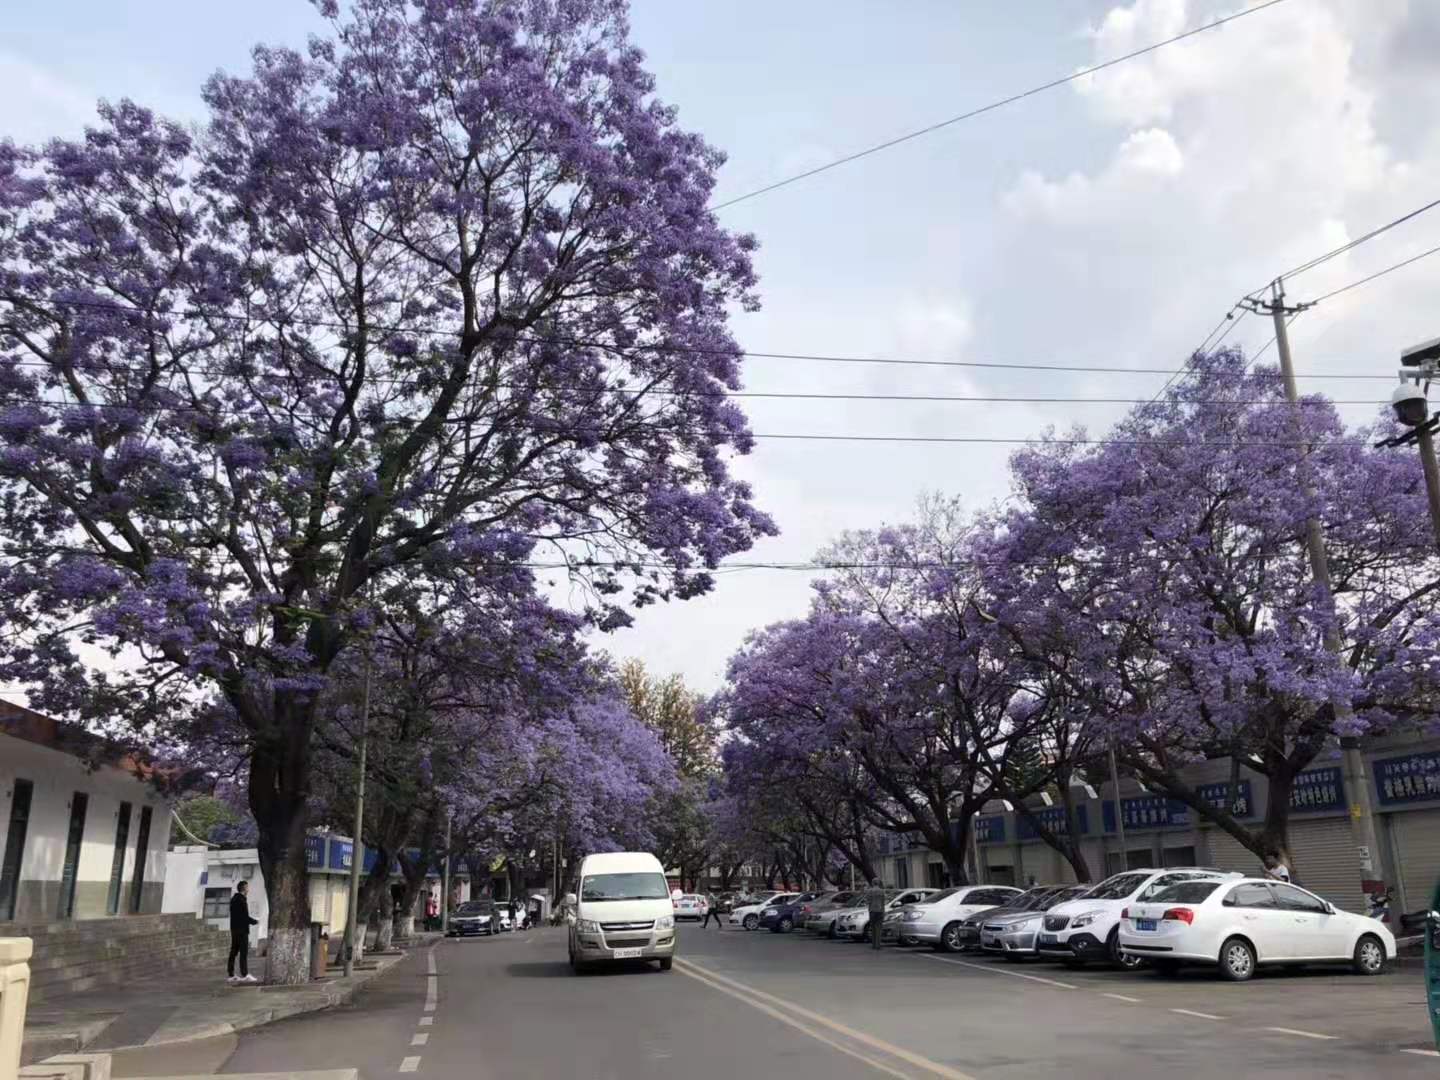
<point x="1026" y="901"/>
<point x="1012" y="932"/>
<point x="748" y="915"/>
<point x="691" y="906"/>
<point x="1238" y="925"/>
<point x="822" y="918"/>
<point x="854" y="923"/>
<point x="936" y="920"/>
<point x="783" y="917"/>
<point x="473" y="917"/>
<point x="1089" y="928"/>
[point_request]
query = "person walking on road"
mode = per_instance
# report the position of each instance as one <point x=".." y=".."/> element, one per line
<point x="712" y="911"/>
<point x="515" y="916"/>
<point x="240" y="923"/>
<point x="875" y="900"/>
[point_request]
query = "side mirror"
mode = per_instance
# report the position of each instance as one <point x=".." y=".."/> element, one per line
<point x="569" y="898"/>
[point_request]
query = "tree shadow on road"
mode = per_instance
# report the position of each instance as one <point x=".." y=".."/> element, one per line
<point x="560" y="969"/>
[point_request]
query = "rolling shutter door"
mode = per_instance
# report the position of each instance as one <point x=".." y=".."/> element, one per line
<point x="1227" y="853"/>
<point x="1326" y="861"/>
<point x="1417" y="844"/>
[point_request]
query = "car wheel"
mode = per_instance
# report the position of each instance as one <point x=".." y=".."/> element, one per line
<point x="1237" y="960"/>
<point x="786" y="925"/>
<point x="666" y="964"/>
<point x="910" y="941"/>
<point x="950" y="938"/>
<point x="1369" y="956"/>
<point x="751" y="922"/>
<point x="1117" y="956"/>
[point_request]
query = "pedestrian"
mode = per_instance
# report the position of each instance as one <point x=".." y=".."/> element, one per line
<point x="432" y="909"/>
<point x="875" y="900"/>
<point x="712" y="911"/>
<point x="514" y="910"/>
<point x="1276" y="870"/>
<point x="240" y="923"/>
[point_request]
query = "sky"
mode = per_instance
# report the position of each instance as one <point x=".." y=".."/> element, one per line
<point x="1110" y="222"/>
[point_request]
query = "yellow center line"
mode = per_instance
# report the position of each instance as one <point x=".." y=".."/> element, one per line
<point x="750" y="994"/>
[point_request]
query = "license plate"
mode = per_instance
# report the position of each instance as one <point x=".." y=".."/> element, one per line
<point x="1049" y="939"/>
<point x="629" y="954"/>
<point x="1145" y="924"/>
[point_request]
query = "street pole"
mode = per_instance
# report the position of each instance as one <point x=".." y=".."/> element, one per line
<point x="354" y="942"/>
<point x="1432" y="476"/>
<point x="1119" y="817"/>
<point x="445" y="877"/>
<point x="1362" y="813"/>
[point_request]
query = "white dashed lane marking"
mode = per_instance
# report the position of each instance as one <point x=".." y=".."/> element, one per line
<point x="1122" y="997"/>
<point x="410" y="1064"/>
<point x="420" y="1039"/>
<point x="1202" y="1016"/>
<point x="1423" y="1053"/>
<point x="1302" y="1034"/>
<point x="998" y="971"/>
<point x="426" y="1021"/>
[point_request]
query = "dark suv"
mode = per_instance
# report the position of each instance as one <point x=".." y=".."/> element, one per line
<point x="781" y="918"/>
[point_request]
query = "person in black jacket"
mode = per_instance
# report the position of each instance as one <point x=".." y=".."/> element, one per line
<point x="240" y="923"/>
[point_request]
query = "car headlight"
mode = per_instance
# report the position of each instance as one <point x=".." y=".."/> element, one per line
<point x="1085" y="918"/>
<point x="894" y="916"/>
<point x="587" y="926"/>
<point x="913" y="916"/>
<point x="665" y="922"/>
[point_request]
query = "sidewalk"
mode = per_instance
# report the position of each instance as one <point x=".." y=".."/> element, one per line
<point x="174" y="1007"/>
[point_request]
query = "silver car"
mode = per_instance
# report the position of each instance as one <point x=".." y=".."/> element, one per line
<point x="1012" y="934"/>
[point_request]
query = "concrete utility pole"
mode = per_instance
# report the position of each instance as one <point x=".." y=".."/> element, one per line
<point x="1357" y="783"/>
<point x="354" y="937"/>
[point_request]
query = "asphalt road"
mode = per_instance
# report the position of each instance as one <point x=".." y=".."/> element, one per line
<point x="741" y="1005"/>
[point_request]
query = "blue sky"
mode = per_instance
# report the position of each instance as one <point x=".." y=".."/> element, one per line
<point x="1109" y="222"/>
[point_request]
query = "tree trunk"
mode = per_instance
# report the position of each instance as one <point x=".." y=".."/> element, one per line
<point x="279" y="785"/>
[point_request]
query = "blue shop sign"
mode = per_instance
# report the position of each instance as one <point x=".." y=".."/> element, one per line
<point x="1053" y="818"/>
<point x="1218" y="794"/>
<point x="1412" y="778"/>
<point x="989" y="829"/>
<point x="1318" y="789"/>
<point x="314" y="852"/>
<point x="342" y="854"/>
<point x="1147" y="812"/>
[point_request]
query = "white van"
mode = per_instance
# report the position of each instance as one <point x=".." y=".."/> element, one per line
<point x="623" y="911"/>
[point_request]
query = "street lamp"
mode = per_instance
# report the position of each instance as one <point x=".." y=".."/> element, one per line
<point x="1420" y="365"/>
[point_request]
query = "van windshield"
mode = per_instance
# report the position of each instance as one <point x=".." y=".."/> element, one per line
<point x="624" y="887"/>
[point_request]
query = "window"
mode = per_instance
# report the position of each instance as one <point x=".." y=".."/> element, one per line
<point x="1186" y="892"/>
<point x="625" y="887"/>
<point x="1293" y="899"/>
<point x="1178" y="856"/>
<point x="935" y="875"/>
<point x="117" y="863"/>
<point x="137" y="876"/>
<point x="1250" y="896"/>
<point x="1118" y="887"/>
<point x="217" y="903"/>
<point x="992" y="897"/>
<point x="74" y="837"/>
<point x="902" y="872"/>
<point x="1166" y="881"/>
<point x="14" y="847"/>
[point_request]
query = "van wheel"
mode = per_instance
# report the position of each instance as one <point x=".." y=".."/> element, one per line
<point x="751" y="922"/>
<point x="950" y="938"/>
<point x="1369" y="956"/>
<point x="666" y="964"/>
<point x="1237" y="960"/>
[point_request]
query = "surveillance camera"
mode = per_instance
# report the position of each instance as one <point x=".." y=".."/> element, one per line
<point x="1427" y="352"/>
<point x="1410" y="405"/>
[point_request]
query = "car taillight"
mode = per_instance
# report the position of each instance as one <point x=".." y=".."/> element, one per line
<point x="1180" y="914"/>
<point x="1125" y="913"/>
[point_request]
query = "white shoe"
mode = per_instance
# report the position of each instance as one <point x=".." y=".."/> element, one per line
<point x="249" y="979"/>
<point x="231" y="980"/>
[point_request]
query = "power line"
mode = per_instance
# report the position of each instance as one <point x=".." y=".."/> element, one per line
<point x="1378" y="274"/>
<point x="684" y="349"/>
<point x="1351" y="245"/>
<point x="991" y="107"/>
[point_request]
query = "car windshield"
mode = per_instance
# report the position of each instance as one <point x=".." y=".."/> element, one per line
<point x="474" y="907"/>
<point x="1186" y="892"/>
<point x="941" y="895"/>
<point x="598" y="887"/>
<point x="1062" y="895"/>
<point x="1117" y="887"/>
<point x="1033" y="900"/>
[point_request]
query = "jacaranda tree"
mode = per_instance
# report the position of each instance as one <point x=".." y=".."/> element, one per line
<point x="443" y="283"/>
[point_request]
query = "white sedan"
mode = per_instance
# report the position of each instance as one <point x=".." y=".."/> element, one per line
<point x="1237" y="925"/>
<point x="691" y="906"/>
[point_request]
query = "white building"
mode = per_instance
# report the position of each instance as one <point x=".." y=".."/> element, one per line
<point x="78" y="843"/>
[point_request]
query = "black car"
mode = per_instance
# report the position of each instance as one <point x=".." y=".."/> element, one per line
<point x="1036" y="898"/>
<point x="782" y="918"/>
<point x="473" y="917"/>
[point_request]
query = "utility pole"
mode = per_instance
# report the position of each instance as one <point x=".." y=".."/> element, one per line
<point x="354" y="935"/>
<point x="445" y="876"/>
<point x="1119" y="817"/>
<point x="1357" y="783"/>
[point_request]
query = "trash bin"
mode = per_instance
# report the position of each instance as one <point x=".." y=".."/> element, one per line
<point x="319" y="945"/>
